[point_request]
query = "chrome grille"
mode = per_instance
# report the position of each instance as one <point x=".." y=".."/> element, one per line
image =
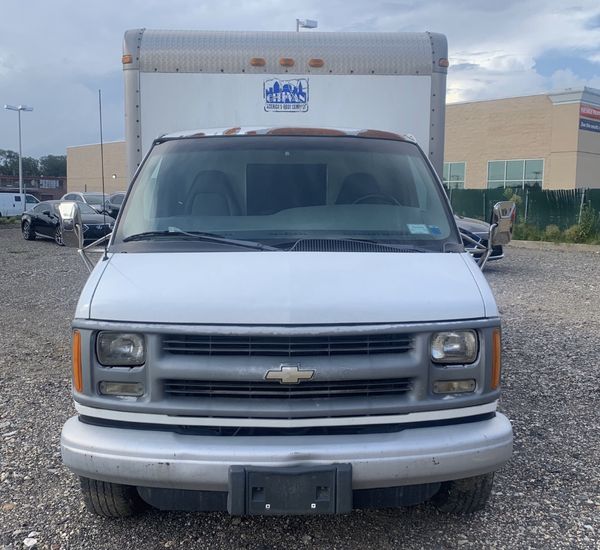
<point x="262" y="389"/>
<point x="287" y="346"/>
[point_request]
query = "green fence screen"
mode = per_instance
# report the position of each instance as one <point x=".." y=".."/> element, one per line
<point x="537" y="207"/>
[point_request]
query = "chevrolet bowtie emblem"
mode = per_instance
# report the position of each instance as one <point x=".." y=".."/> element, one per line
<point x="289" y="374"/>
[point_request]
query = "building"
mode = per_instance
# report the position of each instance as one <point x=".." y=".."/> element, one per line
<point x="84" y="171"/>
<point x="548" y="140"/>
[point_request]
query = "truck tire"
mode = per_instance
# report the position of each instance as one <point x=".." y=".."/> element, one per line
<point x="110" y="500"/>
<point x="464" y="496"/>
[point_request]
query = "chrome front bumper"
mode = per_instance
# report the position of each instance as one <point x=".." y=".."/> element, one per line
<point x="198" y="462"/>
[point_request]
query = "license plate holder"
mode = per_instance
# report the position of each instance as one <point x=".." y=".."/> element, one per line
<point x="296" y="490"/>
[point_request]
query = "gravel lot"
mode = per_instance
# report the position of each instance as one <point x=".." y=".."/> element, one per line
<point x="547" y="497"/>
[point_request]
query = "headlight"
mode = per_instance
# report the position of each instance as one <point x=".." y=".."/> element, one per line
<point x="120" y="349"/>
<point x="453" y="347"/>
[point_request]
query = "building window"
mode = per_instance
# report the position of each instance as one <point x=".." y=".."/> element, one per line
<point x="515" y="173"/>
<point x="454" y="175"/>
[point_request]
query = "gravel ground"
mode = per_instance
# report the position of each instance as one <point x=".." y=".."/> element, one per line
<point x="548" y="496"/>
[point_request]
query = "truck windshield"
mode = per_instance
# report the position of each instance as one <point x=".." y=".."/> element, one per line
<point x="279" y="190"/>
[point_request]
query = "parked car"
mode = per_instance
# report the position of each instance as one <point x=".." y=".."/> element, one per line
<point x="95" y="200"/>
<point x="113" y="204"/>
<point x="478" y="231"/>
<point x="43" y="221"/>
<point x="11" y="204"/>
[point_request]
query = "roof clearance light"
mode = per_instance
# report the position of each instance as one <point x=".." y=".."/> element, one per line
<point x="258" y="62"/>
<point x="443" y="62"/>
<point x="286" y="62"/>
<point x="316" y="62"/>
<point x="127" y="58"/>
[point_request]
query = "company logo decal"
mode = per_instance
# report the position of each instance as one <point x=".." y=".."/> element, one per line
<point x="289" y="96"/>
<point x="289" y="374"/>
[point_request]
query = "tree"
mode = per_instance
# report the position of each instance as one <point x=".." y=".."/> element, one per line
<point x="53" y="165"/>
<point x="9" y="165"/>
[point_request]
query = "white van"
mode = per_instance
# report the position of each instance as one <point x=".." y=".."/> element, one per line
<point x="11" y="204"/>
<point x="285" y="322"/>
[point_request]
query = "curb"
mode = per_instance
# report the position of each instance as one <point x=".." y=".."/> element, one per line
<point x="546" y="245"/>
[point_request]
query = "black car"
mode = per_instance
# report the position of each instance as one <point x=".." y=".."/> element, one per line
<point x="113" y="204"/>
<point x="43" y="221"/>
<point x="478" y="231"/>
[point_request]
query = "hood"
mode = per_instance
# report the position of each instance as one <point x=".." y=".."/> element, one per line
<point x="287" y="288"/>
<point x="96" y="218"/>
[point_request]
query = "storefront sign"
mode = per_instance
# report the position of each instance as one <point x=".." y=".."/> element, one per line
<point x="590" y="125"/>
<point x="587" y="111"/>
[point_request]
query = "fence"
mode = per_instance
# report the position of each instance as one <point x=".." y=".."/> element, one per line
<point x="537" y="207"/>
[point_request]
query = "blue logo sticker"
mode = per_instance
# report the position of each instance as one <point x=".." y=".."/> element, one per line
<point x="286" y="95"/>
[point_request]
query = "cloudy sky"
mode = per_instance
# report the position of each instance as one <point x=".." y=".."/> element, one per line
<point x="56" y="54"/>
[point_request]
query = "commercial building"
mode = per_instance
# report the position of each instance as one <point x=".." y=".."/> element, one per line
<point x="84" y="168"/>
<point x="549" y="140"/>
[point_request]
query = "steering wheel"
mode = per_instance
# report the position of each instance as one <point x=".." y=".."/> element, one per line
<point x="387" y="198"/>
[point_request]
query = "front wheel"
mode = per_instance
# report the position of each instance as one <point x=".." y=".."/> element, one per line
<point x="58" y="238"/>
<point x="110" y="500"/>
<point x="464" y="496"/>
<point x="28" y="232"/>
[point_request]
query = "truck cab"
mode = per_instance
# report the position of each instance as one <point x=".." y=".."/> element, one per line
<point x="285" y="321"/>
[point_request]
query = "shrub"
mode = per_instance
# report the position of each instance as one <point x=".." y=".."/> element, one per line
<point x="552" y="233"/>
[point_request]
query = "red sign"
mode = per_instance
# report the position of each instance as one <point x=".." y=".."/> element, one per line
<point x="588" y="111"/>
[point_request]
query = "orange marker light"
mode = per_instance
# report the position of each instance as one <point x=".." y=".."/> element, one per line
<point x="77" y="377"/>
<point x="496" y="359"/>
<point x="316" y="62"/>
<point x="443" y="62"/>
<point x="286" y="62"/>
<point x="127" y="58"/>
<point x="258" y="62"/>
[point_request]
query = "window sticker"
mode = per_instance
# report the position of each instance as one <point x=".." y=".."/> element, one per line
<point x="418" y="228"/>
<point x="434" y="230"/>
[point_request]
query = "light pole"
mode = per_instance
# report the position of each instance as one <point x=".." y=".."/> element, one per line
<point x="20" y="108"/>
<point x="305" y="24"/>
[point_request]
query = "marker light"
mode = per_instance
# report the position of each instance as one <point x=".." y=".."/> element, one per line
<point x="127" y="58"/>
<point x="286" y="62"/>
<point x="454" y="386"/>
<point x="258" y="62"/>
<point x="129" y="389"/>
<point x="316" y="62"/>
<point x="496" y="359"/>
<point x="443" y="62"/>
<point x="77" y="376"/>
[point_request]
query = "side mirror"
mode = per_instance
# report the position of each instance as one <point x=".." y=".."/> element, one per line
<point x="503" y="218"/>
<point x="46" y="213"/>
<point x="71" y="224"/>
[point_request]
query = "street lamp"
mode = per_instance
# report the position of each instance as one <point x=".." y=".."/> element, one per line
<point x="20" y="108"/>
<point x="305" y="24"/>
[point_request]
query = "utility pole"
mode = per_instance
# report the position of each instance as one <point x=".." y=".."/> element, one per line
<point x="18" y="109"/>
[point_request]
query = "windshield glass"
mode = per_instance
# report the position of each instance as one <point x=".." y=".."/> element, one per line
<point x="86" y="209"/>
<point x="94" y="198"/>
<point x="277" y="190"/>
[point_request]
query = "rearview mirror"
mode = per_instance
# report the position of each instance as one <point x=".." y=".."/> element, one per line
<point x="71" y="224"/>
<point x="503" y="218"/>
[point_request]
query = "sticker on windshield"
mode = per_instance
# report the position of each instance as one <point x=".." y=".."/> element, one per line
<point x="289" y="96"/>
<point x="418" y="228"/>
<point x="434" y="230"/>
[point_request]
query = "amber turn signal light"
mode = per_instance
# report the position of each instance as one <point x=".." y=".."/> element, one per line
<point x="77" y="377"/>
<point x="496" y="358"/>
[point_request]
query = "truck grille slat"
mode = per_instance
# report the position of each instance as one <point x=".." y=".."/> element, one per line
<point x="288" y="346"/>
<point x="263" y="389"/>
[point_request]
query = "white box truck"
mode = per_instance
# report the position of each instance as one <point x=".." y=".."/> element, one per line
<point x="183" y="80"/>
<point x="285" y="320"/>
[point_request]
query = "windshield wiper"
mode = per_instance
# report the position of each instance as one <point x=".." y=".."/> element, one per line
<point x="399" y="247"/>
<point x="198" y="236"/>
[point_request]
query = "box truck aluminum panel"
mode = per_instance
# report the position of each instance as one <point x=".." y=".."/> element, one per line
<point x="178" y="80"/>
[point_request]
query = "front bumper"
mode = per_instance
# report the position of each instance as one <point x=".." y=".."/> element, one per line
<point x="198" y="462"/>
